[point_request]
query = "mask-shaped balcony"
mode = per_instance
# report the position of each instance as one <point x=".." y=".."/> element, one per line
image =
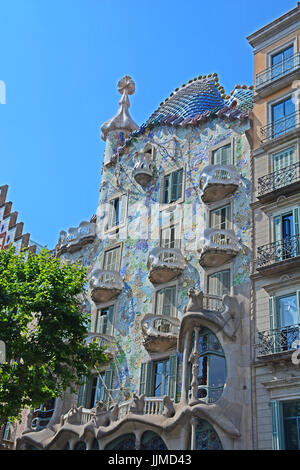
<point x="143" y="169"/>
<point x="217" y="247"/>
<point x="104" y="340"/>
<point x="218" y="182"/>
<point x="76" y="237"/>
<point x="160" y="332"/>
<point x="165" y="264"/>
<point x="105" y="285"/>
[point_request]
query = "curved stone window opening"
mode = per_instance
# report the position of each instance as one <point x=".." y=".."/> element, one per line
<point x="206" y="437"/>
<point x="152" y="441"/>
<point x="207" y="367"/>
<point x="124" y="442"/>
<point x="80" y="445"/>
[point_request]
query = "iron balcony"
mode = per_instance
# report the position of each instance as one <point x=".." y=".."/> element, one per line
<point x="277" y="256"/>
<point x="277" y="71"/>
<point x="278" y="340"/>
<point x="280" y="127"/>
<point x="282" y="181"/>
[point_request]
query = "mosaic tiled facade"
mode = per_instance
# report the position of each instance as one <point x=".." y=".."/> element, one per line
<point x="169" y="260"/>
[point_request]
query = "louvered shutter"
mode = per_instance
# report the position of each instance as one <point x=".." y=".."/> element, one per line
<point x="122" y="208"/>
<point x="108" y="379"/>
<point x="172" y="377"/>
<point x="296" y="231"/>
<point x="143" y="378"/>
<point x="80" y="398"/>
<point x="277" y="425"/>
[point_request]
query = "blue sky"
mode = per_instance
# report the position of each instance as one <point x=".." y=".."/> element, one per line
<point x="61" y="60"/>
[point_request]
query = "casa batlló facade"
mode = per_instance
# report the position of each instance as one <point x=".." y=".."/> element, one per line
<point x="169" y="262"/>
<point x="193" y="270"/>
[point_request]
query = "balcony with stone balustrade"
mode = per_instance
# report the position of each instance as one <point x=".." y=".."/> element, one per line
<point x="218" y="182"/>
<point x="160" y="332"/>
<point x="105" y="285"/>
<point x="165" y="264"/>
<point x="76" y="237"/>
<point x="217" y="247"/>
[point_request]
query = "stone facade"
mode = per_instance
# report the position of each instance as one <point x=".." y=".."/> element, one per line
<point x="275" y="204"/>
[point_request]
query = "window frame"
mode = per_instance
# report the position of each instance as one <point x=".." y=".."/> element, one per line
<point x="218" y="146"/>
<point x="229" y="221"/>
<point x="110" y="248"/>
<point x="112" y="323"/>
<point x="160" y="287"/>
<point x="167" y="205"/>
<point x="122" y="223"/>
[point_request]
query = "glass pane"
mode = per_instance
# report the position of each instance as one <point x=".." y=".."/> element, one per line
<point x="206" y="437"/>
<point x="288" y="310"/>
<point x="291" y="409"/>
<point x="217" y="371"/>
<point x="161" y="378"/>
<point x="291" y="434"/>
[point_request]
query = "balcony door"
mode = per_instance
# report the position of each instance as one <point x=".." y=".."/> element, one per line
<point x="284" y="170"/>
<point x="282" y="62"/>
<point x="283" y="117"/>
<point x="286" y="235"/>
<point x="284" y="321"/>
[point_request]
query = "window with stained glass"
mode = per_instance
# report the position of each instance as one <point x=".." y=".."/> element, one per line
<point x="206" y="437"/>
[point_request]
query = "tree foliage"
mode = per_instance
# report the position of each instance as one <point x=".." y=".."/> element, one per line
<point x="43" y="328"/>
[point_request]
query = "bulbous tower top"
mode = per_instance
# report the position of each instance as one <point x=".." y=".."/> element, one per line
<point x="122" y="121"/>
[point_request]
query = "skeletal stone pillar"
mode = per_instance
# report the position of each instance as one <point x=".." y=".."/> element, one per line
<point x="195" y="369"/>
<point x="184" y="386"/>
<point x="193" y="433"/>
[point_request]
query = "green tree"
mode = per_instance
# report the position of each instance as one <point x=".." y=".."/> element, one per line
<point x="44" y="330"/>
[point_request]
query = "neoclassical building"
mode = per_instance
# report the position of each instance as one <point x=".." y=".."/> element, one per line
<point x="168" y="254"/>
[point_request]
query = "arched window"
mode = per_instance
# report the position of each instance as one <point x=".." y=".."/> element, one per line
<point x="207" y="360"/>
<point x="206" y="437"/>
<point x="125" y="442"/>
<point x="152" y="441"/>
<point x="80" y="446"/>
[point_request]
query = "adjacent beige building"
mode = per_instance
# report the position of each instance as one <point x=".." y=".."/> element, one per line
<point x="275" y="203"/>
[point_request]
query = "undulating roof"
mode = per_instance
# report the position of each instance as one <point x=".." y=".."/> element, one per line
<point x="197" y="101"/>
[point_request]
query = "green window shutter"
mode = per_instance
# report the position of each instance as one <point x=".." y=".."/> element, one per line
<point x="172" y="377"/>
<point x="296" y="230"/>
<point x="277" y="425"/>
<point x="298" y="304"/>
<point x="169" y="297"/>
<point x="167" y="184"/>
<point x="143" y="378"/>
<point x="87" y="393"/>
<point x="147" y="378"/>
<point x="108" y="380"/>
<point x="272" y="306"/>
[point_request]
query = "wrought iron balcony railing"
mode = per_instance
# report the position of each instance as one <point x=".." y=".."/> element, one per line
<point x="277" y="71"/>
<point x="279" y="179"/>
<point x="278" y="251"/>
<point x="280" y="127"/>
<point x="278" y="340"/>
